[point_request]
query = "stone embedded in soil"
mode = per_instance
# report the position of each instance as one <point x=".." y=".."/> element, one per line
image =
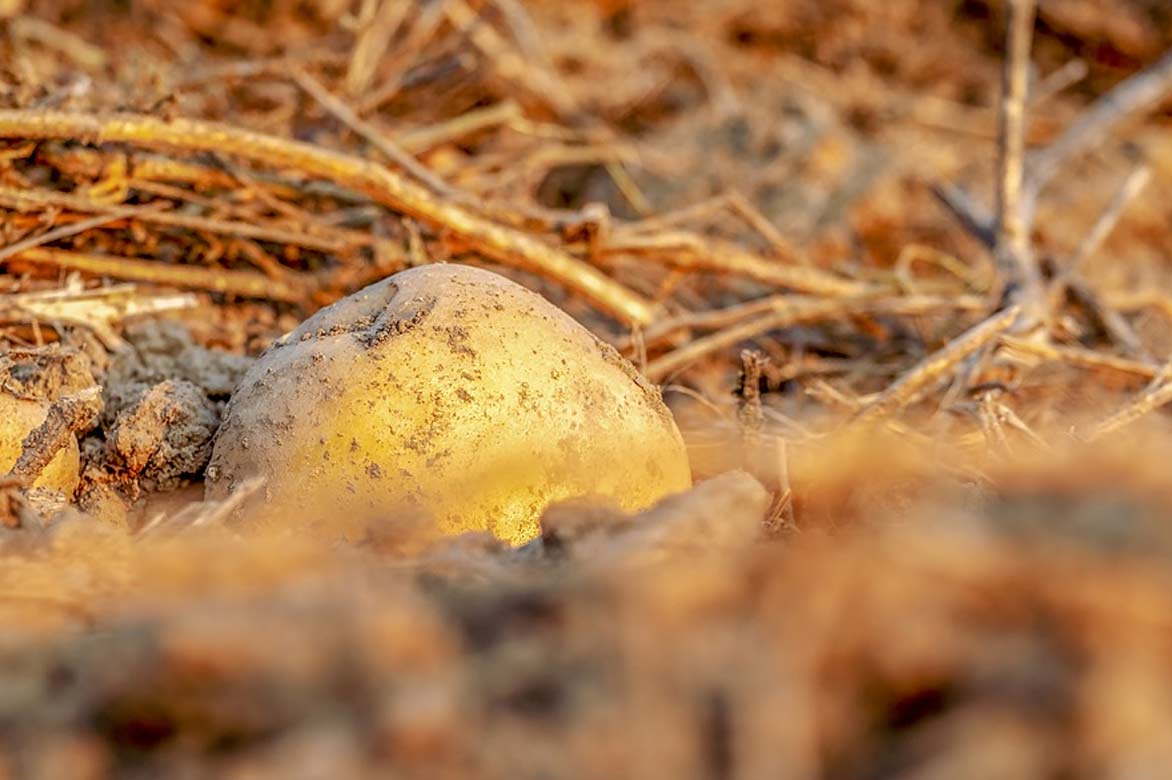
<point x="165" y="433"/>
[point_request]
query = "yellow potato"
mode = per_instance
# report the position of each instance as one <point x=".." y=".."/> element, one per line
<point x="449" y="390"/>
<point x="18" y="418"/>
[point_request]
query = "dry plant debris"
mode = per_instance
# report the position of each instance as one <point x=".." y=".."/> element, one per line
<point x="901" y="269"/>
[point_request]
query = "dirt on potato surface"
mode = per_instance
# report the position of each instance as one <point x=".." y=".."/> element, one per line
<point x="922" y="381"/>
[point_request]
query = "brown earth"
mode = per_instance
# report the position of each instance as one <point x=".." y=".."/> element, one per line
<point x="953" y="556"/>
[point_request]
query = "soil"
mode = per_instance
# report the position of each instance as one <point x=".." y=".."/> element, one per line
<point x="164" y="432"/>
<point x="907" y="554"/>
<point x="45" y="374"/>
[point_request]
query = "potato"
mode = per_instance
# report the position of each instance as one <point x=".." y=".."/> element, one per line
<point x="18" y="418"/>
<point x="449" y="390"/>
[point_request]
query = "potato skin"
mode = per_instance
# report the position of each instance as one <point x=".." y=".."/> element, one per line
<point x="449" y="390"/>
<point x="18" y="418"/>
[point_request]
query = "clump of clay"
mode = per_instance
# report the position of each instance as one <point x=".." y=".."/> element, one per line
<point x="164" y="433"/>
<point x="163" y="398"/>
<point x="448" y="390"/>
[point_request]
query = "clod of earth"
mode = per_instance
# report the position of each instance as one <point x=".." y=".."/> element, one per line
<point x="164" y="433"/>
<point x="446" y="390"/>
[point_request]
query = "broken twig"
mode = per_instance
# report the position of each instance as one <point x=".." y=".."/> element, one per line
<point x="67" y="417"/>
<point x="497" y="241"/>
<point x="936" y="366"/>
<point x="1013" y="250"/>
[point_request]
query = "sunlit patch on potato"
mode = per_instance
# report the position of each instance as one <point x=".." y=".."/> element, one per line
<point x="448" y="390"/>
